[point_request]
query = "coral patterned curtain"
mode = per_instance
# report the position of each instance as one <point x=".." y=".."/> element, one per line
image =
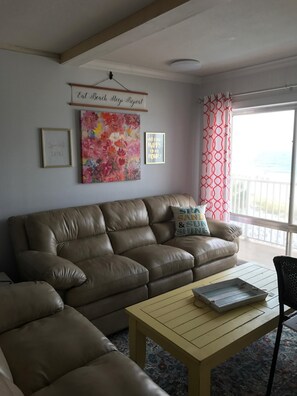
<point x="216" y="155"/>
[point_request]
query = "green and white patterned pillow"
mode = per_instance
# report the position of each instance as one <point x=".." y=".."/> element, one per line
<point x="190" y="221"/>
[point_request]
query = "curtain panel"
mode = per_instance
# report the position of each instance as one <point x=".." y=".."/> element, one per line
<point x="216" y="156"/>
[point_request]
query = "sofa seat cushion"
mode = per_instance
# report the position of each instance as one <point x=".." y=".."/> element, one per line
<point x="106" y="276"/>
<point x="204" y="248"/>
<point x="161" y="260"/>
<point x="41" y="351"/>
<point x="111" y="375"/>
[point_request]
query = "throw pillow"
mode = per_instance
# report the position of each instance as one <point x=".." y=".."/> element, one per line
<point x="190" y="221"/>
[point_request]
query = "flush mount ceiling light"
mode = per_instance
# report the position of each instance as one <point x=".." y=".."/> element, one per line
<point x="185" y="65"/>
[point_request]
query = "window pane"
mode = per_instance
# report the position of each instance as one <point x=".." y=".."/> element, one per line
<point x="294" y="245"/>
<point x="261" y="244"/>
<point x="261" y="164"/>
<point x="294" y="217"/>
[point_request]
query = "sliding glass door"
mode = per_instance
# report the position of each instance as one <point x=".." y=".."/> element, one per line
<point x="263" y="182"/>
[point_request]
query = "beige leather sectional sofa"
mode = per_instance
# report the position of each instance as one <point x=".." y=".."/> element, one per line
<point x="104" y="257"/>
<point x="48" y="349"/>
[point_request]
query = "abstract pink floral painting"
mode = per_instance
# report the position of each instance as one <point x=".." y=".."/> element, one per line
<point x="110" y="146"/>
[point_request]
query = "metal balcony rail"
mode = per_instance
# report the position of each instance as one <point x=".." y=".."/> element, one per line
<point x="267" y="202"/>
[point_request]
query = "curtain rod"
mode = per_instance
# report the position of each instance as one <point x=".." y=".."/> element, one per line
<point x="289" y="87"/>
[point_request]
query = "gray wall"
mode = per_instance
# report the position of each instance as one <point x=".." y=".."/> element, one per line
<point x="276" y="74"/>
<point x="35" y="94"/>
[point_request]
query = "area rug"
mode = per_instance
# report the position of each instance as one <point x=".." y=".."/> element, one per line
<point x="245" y="374"/>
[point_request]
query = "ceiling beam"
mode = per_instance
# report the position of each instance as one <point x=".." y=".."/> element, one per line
<point x="146" y="14"/>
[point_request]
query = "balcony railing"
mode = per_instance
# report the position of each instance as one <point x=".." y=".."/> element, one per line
<point x="262" y="199"/>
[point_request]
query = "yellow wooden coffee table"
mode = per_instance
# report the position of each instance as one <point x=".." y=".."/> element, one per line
<point x="199" y="336"/>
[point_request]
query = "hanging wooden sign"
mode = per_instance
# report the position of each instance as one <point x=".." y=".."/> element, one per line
<point x="90" y="96"/>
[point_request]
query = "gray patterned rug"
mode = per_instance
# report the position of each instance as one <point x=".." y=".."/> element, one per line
<point x="245" y="374"/>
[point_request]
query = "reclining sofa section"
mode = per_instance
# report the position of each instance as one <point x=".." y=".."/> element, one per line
<point x="50" y="349"/>
<point x="102" y="258"/>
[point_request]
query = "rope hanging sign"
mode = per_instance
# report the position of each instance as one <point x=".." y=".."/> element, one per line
<point x="93" y="96"/>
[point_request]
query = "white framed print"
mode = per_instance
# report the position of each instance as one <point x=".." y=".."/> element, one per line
<point x="154" y="147"/>
<point x="56" y="147"/>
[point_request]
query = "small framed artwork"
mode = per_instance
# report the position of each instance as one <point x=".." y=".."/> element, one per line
<point x="56" y="147"/>
<point x="154" y="147"/>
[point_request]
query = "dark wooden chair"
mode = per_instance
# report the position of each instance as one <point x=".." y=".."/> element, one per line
<point x="286" y="269"/>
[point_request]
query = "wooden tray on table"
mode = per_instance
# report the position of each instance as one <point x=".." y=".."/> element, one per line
<point x="229" y="294"/>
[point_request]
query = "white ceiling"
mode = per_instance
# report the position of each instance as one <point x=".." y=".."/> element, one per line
<point x="222" y="34"/>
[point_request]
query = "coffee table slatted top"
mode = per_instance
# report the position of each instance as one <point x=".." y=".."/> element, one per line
<point x="203" y="333"/>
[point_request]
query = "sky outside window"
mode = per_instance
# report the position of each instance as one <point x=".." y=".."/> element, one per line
<point x="262" y="145"/>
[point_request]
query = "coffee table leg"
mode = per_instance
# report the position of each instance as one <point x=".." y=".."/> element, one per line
<point x="137" y="343"/>
<point x="198" y="380"/>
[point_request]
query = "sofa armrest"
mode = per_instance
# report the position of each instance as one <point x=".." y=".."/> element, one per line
<point x="224" y="230"/>
<point x="62" y="274"/>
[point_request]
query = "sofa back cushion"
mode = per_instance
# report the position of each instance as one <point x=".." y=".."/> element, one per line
<point x="73" y="233"/>
<point x="27" y="301"/>
<point x="127" y="224"/>
<point x="42" y="351"/>
<point x="161" y="215"/>
<point x="41" y="339"/>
